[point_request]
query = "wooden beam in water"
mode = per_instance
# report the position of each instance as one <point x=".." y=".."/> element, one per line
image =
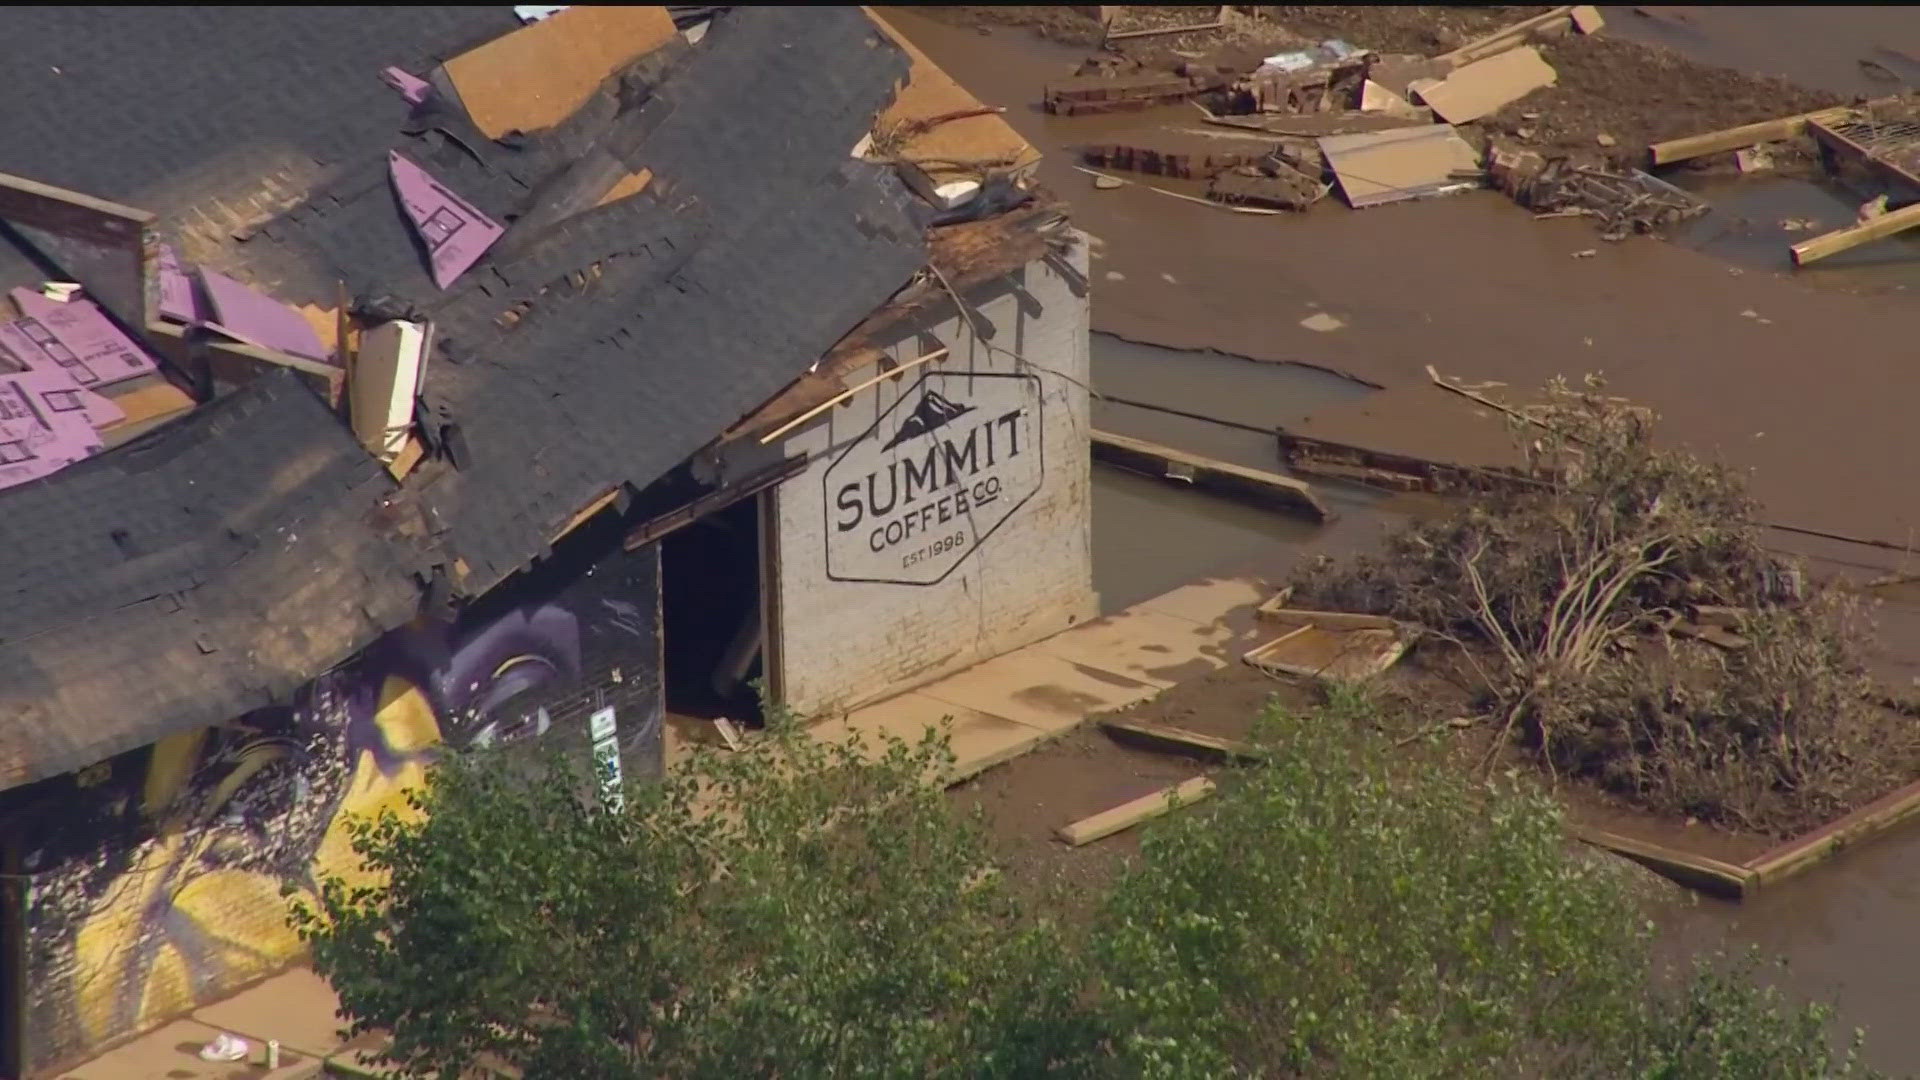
<point x="1152" y="459"/>
<point x="1736" y="138"/>
<point x="1833" y="243"/>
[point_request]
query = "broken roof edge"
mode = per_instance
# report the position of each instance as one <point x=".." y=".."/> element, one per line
<point x="968" y="256"/>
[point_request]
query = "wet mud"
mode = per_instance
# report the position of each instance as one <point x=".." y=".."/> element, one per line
<point x="1805" y="378"/>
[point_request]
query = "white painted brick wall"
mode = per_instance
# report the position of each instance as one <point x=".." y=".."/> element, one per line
<point x="842" y="643"/>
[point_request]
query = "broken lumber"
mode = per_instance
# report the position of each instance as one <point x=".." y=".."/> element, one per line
<point x="1833" y="243"/>
<point x="1735" y="138"/>
<point x="1166" y="738"/>
<point x="1152" y="459"/>
<point x="1694" y="871"/>
<point x="1128" y="814"/>
<point x="1506" y="37"/>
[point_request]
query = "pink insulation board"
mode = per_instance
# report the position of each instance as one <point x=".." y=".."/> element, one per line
<point x="102" y="355"/>
<point x="455" y="233"/>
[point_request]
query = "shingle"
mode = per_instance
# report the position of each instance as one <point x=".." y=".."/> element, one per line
<point x="754" y="250"/>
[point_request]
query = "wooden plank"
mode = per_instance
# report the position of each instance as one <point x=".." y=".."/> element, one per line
<point x="1157" y="31"/>
<point x="1735" y="138"/>
<point x="1155" y="460"/>
<point x="1167" y="738"/>
<point x="1127" y="815"/>
<point x="1833" y="243"/>
<point x="70" y="213"/>
<point x="1318" y="652"/>
<point x="1329" y="620"/>
<point x="1694" y="871"/>
<point x="719" y="499"/>
<point x="1510" y="35"/>
<point x="538" y="75"/>
<point x="147" y="405"/>
<point x="1804" y="851"/>
<point x="580" y="518"/>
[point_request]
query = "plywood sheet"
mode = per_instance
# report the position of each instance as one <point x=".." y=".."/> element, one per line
<point x="1485" y="86"/>
<point x="1405" y="163"/>
<point x="538" y="75"/>
<point x="931" y="92"/>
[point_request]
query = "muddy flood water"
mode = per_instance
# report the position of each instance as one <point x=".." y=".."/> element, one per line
<point x="1811" y="381"/>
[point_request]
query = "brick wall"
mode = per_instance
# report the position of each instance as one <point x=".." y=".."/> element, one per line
<point x="1020" y="577"/>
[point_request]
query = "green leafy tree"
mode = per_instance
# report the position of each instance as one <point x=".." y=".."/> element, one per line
<point x="1340" y="912"/>
<point x="798" y="909"/>
<point x="802" y="909"/>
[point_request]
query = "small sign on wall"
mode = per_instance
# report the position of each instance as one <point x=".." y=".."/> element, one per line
<point x="941" y="469"/>
<point x="602" y="729"/>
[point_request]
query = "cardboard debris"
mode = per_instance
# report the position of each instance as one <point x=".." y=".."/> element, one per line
<point x="1375" y="98"/>
<point x="145" y="408"/>
<point x="1406" y="163"/>
<point x="1485" y="86"/>
<point x="1587" y="19"/>
<point x="1396" y="73"/>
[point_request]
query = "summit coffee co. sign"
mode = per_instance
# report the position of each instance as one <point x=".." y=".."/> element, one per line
<point x="937" y="473"/>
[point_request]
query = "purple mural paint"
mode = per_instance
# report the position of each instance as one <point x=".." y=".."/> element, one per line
<point x="86" y="332"/>
<point x="455" y="233"/>
<point x="177" y="299"/>
<point x="411" y="87"/>
<point x="246" y="315"/>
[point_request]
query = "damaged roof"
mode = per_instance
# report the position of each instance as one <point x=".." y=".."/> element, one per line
<point x="207" y="569"/>
<point x="680" y="248"/>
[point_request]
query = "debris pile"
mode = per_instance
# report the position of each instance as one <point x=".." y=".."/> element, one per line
<point x="1383" y="127"/>
<point x="1626" y="202"/>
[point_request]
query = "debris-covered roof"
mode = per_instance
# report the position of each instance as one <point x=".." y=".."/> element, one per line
<point x="207" y="569"/>
<point x="674" y="251"/>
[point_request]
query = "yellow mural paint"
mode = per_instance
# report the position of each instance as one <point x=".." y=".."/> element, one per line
<point x="172" y="927"/>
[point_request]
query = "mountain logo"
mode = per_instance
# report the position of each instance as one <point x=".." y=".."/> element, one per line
<point x="932" y="412"/>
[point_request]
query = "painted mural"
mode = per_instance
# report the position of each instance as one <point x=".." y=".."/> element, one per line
<point x="162" y="884"/>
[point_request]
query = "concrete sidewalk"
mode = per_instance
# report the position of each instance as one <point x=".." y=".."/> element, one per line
<point x="1006" y="706"/>
<point x="1000" y="709"/>
<point x="296" y="1007"/>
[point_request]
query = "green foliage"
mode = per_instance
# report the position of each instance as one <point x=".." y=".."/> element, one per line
<point x="837" y="920"/>
<point x="1385" y="923"/>
<point x="810" y="910"/>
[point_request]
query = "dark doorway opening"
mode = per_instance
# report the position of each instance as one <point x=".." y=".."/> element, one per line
<point x="710" y="612"/>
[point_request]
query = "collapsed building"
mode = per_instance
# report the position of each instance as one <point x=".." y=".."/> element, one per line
<point x="412" y="377"/>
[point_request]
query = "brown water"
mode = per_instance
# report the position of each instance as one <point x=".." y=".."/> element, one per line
<point x="1813" y="388"/>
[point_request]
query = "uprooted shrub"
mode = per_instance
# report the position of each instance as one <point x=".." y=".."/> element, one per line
<point x="1559" y="583"/>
